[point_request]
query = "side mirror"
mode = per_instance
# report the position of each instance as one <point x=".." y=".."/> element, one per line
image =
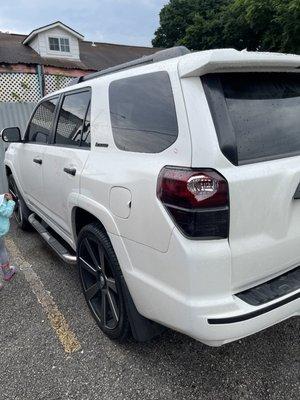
<point x="11" y="135"/>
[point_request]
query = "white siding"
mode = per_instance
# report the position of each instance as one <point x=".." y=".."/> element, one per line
<point x="35" y="44"/>
<point x="41" y="44"/>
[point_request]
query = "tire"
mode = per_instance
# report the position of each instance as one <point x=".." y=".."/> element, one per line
<point x="100" y="276"/>
<point x="21" y="211"/>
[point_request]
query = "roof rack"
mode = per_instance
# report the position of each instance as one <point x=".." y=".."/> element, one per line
<point x="161" y="55"/>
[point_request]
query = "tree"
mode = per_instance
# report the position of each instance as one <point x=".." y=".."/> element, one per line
<point x="178" y="15"/>
<point x="269" y="25"/>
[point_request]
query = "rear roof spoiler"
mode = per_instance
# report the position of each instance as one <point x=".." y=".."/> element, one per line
<point x="226" y="60"/>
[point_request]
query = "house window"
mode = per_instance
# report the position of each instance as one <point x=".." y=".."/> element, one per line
<point x="53" y="43"/>
<point x="59" y="44"/>
<point x="64" y="45"/>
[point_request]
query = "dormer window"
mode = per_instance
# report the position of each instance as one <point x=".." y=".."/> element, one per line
<point x="64" y="45"/>
<point x="59" y="44"/>
<point x="55" y="41"/>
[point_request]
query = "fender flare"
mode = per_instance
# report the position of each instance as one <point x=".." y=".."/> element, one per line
<point x="98" y="211"/>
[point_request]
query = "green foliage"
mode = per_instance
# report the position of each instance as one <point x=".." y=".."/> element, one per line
<point x="269" y="25"/>
<point x="179" y="15"/>
<point x="25" y="85"/>
<point x="59" y="79"/>
<point x="15" y="96"/>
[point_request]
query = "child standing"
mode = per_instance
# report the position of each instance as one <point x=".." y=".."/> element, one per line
<point x="6" y="209"/>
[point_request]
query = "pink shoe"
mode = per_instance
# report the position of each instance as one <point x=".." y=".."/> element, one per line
<point x="9" y="273"/>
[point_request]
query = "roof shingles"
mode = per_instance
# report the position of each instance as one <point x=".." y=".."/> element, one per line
<point x="92" y="57"/>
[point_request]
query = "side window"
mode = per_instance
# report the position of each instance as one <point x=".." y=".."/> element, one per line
<point x="86" y="133"/>
<point x="71" y="118"/>
<point x="142" y="113"/>
<point x="40" y="127"/>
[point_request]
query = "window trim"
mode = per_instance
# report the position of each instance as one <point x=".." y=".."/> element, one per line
<point x="59" y="44"/>
<point x="83" y="124"/>
<point x="56" y="117"/>
<point x="217" y="104"/>
<point x="31" y="118"/>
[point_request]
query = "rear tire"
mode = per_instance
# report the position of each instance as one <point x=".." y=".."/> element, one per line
<point x="21" y="211"/>
<point x="100" y="276"/>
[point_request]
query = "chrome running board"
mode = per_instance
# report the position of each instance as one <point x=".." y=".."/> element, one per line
<point x="59" y="249"/>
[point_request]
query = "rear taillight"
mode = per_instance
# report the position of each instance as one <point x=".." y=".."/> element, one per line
<point x="197" y="200"/>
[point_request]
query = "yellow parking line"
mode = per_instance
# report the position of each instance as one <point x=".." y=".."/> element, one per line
<point x="58" y="322"/>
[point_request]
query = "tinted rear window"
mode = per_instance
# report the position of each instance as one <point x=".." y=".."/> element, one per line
<point x="142" y="113"/>
<point x="262" y="111"/>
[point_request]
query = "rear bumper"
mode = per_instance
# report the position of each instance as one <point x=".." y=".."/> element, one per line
<point x="188" y="288"/>
<point x="228" y="327"/>
<point x="252" y="314"/>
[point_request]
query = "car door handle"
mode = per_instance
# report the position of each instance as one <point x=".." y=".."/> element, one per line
<point x="70" y="171"/>
<point x="38" y="161"/>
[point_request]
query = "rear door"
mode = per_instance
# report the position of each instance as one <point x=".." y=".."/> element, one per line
<point x="257" y="119"/>
<point x="31" y="156"/>
<point x="65" y="158"/>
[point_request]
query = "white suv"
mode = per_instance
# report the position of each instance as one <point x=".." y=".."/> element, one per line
<point x="174" y="181"/>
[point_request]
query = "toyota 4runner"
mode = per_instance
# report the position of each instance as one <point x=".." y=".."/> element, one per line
<point x="173" y="182"/>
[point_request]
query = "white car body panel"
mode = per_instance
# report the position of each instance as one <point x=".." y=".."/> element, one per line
<point x="33" y="188"/>
<point x="55" y="160"/>
<point x="103" y="169"/>
<point x="264" y="221"/>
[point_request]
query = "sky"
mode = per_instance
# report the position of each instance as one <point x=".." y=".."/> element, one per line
<point x="114" y="21"/>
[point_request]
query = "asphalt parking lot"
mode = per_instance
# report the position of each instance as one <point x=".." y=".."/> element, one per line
<point x="38" y="362"/>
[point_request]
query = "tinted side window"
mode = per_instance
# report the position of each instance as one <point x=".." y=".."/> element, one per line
<point x="40" y="127"/>
<point x="71" y="118"/>
<point x="142" y="113"/>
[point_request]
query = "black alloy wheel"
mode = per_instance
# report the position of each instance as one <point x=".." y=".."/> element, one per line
<point x="100" y="276"/>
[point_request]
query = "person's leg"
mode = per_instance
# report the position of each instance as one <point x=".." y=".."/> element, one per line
<point x="3" y="256"/>
<point x="8" y="271"/>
